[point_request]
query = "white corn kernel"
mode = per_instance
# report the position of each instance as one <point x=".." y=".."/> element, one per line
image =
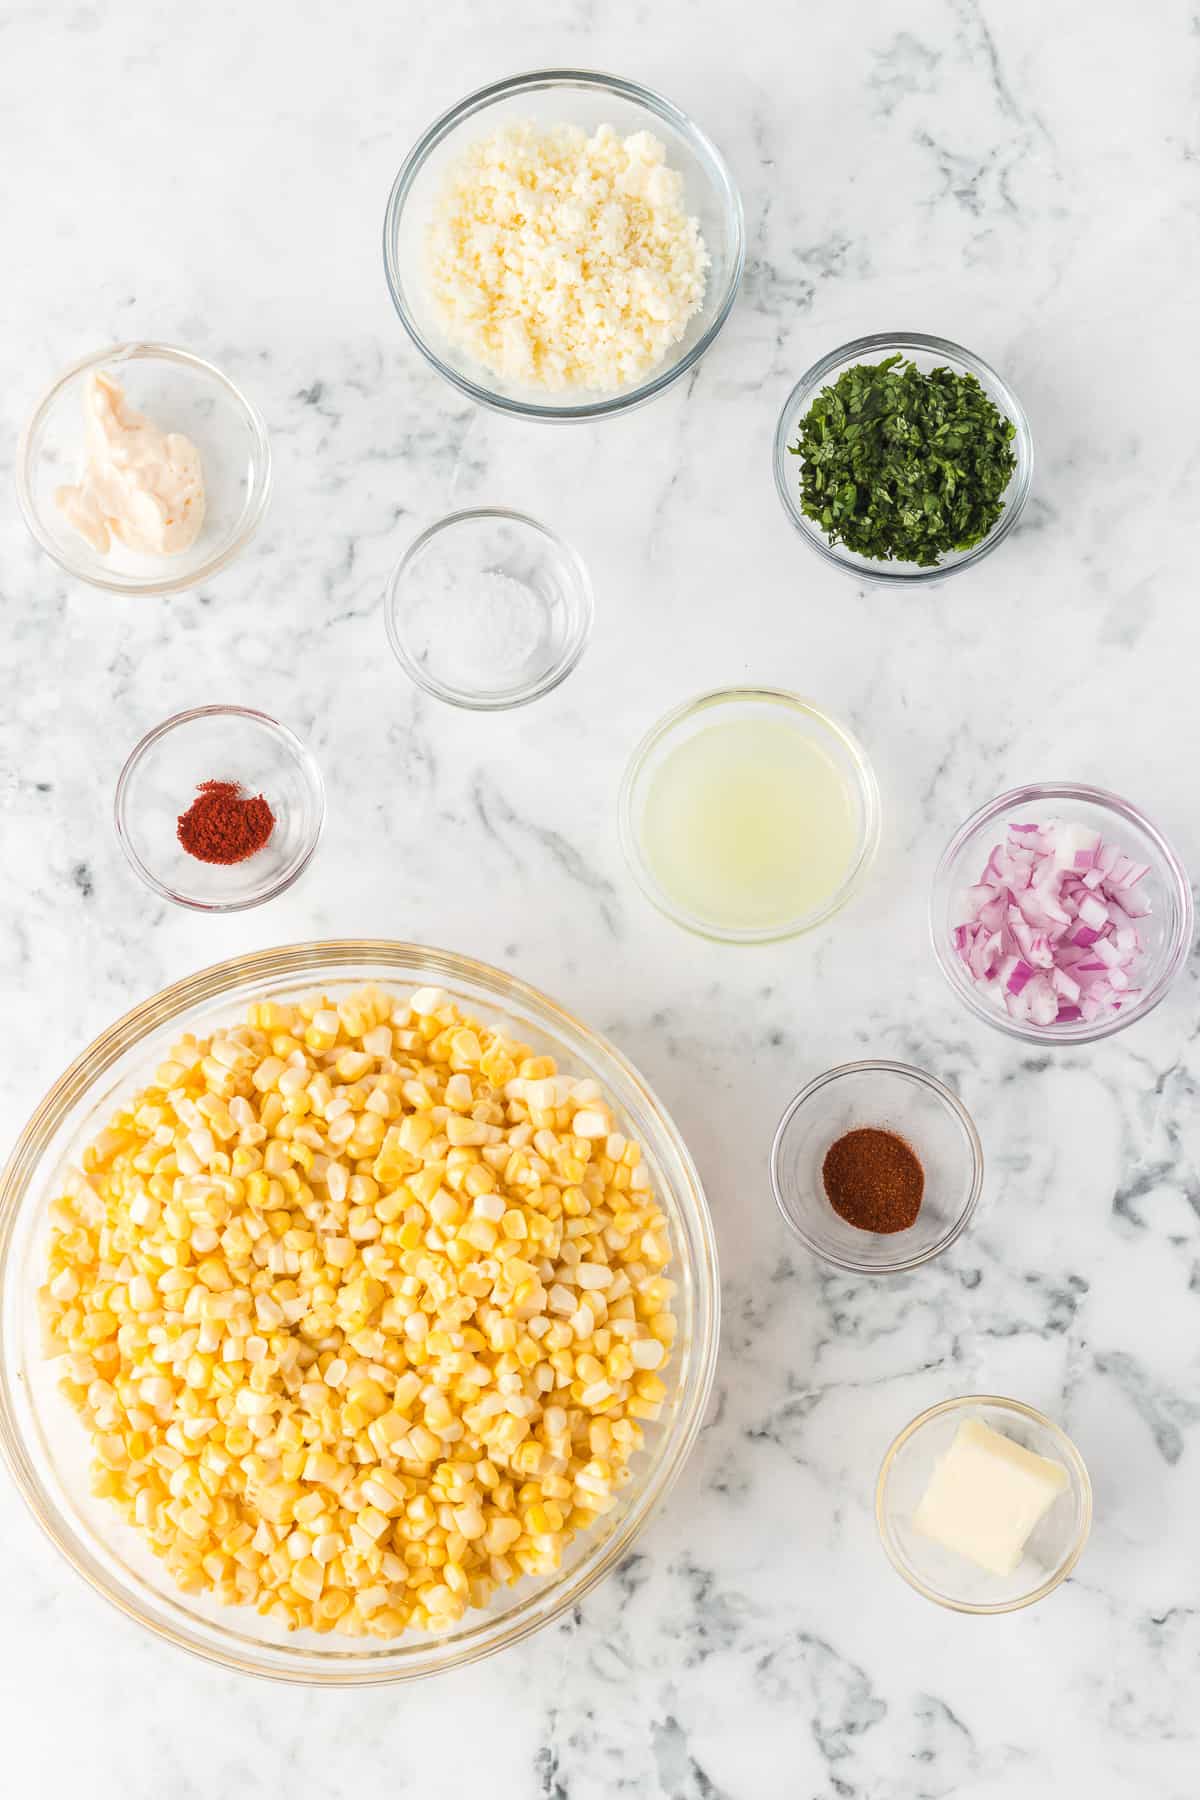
<point x="593" y="1275"/>
<point x="590" y="1123"/>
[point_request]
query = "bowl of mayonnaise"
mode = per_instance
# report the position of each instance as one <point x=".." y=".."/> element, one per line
<point x="143" y="470"/>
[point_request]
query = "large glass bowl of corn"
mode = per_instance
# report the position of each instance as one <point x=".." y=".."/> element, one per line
<point x="359" y="1306"/>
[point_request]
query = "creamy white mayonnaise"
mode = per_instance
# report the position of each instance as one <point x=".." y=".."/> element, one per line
<point x="140" y="485"/>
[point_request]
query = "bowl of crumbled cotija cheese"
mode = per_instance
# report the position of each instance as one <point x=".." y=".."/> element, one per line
<point x="563" y="245"/>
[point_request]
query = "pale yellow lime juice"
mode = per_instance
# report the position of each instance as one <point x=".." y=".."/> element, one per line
<point x="749" y="824"/>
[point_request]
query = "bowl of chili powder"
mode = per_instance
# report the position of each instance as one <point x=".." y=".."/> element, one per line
<point x="877" y="1167"/>
<point x="219" y="808"/>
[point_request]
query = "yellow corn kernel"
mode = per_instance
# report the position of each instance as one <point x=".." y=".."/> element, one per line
<point x="650" y="1387"/>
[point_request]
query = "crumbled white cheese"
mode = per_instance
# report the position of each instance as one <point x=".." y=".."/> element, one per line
<point x="560" y="260"/>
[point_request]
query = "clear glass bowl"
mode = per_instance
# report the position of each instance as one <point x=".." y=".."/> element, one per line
<point x="489" y="610"/>
<point x="697" y="715"/>
<point x="178" y="392"/>
<point x="1054" y="1547"/>
<point x="46" y="1445"/>
<point x="927" y="353"/>
<point x="561" y="97"/>
<point x="893" y="1097"/>
<point x="218" y="743"/>
<point x="1167" y="930"/>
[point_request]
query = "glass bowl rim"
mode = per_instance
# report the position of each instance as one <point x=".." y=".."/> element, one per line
<point x="135" y="350"/>
<point x="885" y="574"/>
<point x="535" y="79"/>
<point x="865" y="783"/>
<point x="460" y="697"/>
<point x="1062" y="1441"/>
<point x="1077" y="1032"/>
<point x="294" y="965"/>
<point x="952" y="1103"/>
<point x="306" y="761"/>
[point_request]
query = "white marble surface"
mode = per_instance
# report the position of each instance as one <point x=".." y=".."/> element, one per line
<point x="1019" y="177"/>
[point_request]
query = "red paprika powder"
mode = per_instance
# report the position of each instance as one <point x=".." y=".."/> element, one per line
<point x="874" y="1180"/>
<point x="224" y="825"/>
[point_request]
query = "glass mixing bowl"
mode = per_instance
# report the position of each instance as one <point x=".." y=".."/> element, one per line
<point x="162" y="776"/>
<point x="561" y="97"/>
<point x="46" y="1445"/>
<point x="177" y="392"/>
<point x="721" y="707"/>
<point x="888" y="1096"/>
<point x="1055" y="1545"/>
<point x="927" y="353"/>
<point x="488" y="610"/>
<point x="1167" y="930"/>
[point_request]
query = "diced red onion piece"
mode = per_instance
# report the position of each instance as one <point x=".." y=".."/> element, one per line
<point x="1020" y="975"/>
<point x="1133" y="904"/>
<point x="1065" y="986"/>
<point x="1050" y="928"/>
<point x="1043" y="1001"/>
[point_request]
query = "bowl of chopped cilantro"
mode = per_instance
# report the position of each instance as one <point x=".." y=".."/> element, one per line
<point x="903" y="458"/>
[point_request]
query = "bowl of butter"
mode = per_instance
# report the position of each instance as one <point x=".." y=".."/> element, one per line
<point x="143" y="470"/>
<point x="983" y="1504"/>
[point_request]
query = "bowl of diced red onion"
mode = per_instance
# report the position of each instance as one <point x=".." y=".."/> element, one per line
<point x="1060" y="914"/>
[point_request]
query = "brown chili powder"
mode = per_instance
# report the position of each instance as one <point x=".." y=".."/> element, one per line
<point x="874" y="1180"/>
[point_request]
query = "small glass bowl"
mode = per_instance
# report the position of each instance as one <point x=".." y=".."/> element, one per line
<point x="177" y="392"/>
<point x="927" y="353"/>
<point x="489" y="610"/>
<point x="587" y="99"/>
<point x="892" y="1097"/>
<point x="942" y="1575"/>
<point x="699" y="714"/>
<point x="218" y="743"/>
<point x="1167" y="930"/>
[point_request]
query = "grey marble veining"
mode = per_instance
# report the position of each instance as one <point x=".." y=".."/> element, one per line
<point x="1021" y="178"/>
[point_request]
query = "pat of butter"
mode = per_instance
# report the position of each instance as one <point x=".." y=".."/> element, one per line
<point x="986" y="1495"/>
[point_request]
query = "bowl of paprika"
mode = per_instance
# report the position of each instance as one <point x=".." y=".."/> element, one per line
<point x="219" y="808"/>
<point x="877" y="1167"/>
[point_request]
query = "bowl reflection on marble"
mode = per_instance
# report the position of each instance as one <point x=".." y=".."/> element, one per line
<point x="47" y="1448"/>
<point x="549" y="97"/>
